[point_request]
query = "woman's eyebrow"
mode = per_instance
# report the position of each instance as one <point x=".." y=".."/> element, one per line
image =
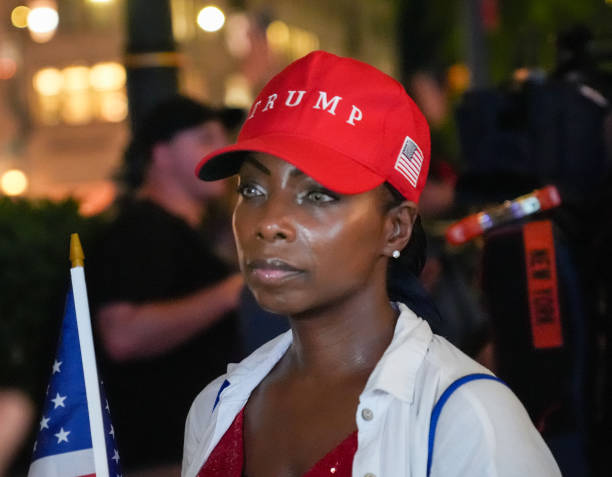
<point x="258" y="165"/>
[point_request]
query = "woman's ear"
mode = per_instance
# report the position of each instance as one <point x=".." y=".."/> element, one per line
<point x="400" y="220"/>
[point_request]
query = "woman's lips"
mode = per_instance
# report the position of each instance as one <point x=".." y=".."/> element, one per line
<point x="272" y="270"/>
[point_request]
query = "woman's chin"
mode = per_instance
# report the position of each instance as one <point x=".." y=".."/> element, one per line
<point x="279" y="305"/>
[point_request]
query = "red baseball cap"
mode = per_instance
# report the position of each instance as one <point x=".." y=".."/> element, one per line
<point x="344" y="123"/>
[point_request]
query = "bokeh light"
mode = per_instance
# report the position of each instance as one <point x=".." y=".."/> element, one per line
<point x="113" y="107"/>
<point x="107" y="76"/>
<point x="43" y="20"/>
<point x="14" y="182"/>
<point x="19" y="16"/>
<point x="237" y="35"/>
<point x="458" y="77"/>
<point x="76" y="78"/>
<point x="237" y="91"/>
<point x="210" y="18"/>
<point x="77" y="108"/>
<point x="289" y="40"/>
<point x="277" y="34"/>
<point x="8" y="68"/>
<point x="48" y="81"/>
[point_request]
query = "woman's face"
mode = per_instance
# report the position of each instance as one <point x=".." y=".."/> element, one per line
<point x="300" y="246"/>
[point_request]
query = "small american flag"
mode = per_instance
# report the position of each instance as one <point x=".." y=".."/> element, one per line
<point x="75" y="434"/>
<point x="410" y="161"/>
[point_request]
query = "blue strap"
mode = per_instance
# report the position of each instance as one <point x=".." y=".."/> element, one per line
<point x="225" y="384"/>
<point x="437" y="410"/>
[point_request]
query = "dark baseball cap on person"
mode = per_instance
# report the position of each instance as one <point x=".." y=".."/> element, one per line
<point x="169" y="117"/>
<point x="178" y="113"/>
<point x="346" y="124"/>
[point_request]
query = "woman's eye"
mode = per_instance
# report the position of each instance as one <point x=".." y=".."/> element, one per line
<point x="249" y="191"/>
<point x="319" y="196"/>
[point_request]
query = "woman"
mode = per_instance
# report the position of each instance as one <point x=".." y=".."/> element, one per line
<point x="336" y="157"/>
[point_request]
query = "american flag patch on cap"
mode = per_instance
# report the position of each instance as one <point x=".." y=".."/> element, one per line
<point x="409" y="161"/>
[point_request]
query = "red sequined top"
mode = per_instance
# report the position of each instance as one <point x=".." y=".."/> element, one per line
<point x="227" y="458"/>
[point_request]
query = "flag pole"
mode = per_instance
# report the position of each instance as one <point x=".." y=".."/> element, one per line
<point x="92" y="386"/>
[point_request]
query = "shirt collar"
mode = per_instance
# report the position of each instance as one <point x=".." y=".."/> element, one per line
<point x="396" y="370"/>
<point x="251" y="370"/>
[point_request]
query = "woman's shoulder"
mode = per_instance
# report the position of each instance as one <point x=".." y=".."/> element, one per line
<point x="204" y="402"/>
<point x="244" y="375"/>
<point x="478" y="418"/>
<point x="449" y="362"/>
<point x="439" y="361"/>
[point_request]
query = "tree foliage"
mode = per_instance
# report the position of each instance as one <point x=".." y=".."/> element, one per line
<point x="34" y="276"/>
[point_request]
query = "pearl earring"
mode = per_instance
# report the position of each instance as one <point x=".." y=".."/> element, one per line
<point x="395" y="254"/>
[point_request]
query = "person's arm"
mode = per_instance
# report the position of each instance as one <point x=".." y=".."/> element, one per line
<point x="130" y="331"/>
<point x="16" y="416"/>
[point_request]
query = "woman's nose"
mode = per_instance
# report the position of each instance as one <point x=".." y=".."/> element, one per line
<point x="274" y="224"/>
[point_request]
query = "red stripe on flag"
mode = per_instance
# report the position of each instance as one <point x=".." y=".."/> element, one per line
<point x="415" y="168"/>
<point x="406" y="172"/>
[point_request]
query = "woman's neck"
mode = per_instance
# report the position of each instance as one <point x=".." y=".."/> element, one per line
<point x="342" y="340"/>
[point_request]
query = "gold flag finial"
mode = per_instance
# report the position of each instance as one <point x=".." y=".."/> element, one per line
<point x="76" y="251"/>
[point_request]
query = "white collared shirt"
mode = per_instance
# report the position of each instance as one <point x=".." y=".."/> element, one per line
<point x="483" y="429"/>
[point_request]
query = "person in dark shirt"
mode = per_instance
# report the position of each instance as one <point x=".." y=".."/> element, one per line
<point x="162" y="301"/>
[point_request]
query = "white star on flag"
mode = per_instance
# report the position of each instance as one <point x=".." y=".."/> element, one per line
<point x="58" y="401"/>
<point x="56" y="367"/>
<point x="115" y="456"/>
<point x="62" y="435"/>
<point x="44" y="423"/>
<point x="112" y="431"/>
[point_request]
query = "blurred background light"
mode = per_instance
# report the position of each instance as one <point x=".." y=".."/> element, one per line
<point x="76" y="78"/>
<point x="14" y="182"/>
<point x="277" y="34"/>
<point x="237" y="35"/>
<point x="48" y="81"/>
<point x="520" y="74"/>
<point x="210" y="18"/>
<point x="107" y="76"/>
<point x="290" y="41"/>
<point x="237" y="91"/>
<point x="19" y="16"/>
<point x="113" y="107"/>
<point x="458" y="77"/>
<point x="77" y="108"/>
<point x="99" y="1"/>
<point x="43" y="20"/>
<point x="8" y="68"/>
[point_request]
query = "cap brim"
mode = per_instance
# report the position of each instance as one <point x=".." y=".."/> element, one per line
<point x="332" y="169"/>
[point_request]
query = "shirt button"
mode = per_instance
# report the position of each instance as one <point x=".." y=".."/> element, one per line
<point x="367" y="415"/>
